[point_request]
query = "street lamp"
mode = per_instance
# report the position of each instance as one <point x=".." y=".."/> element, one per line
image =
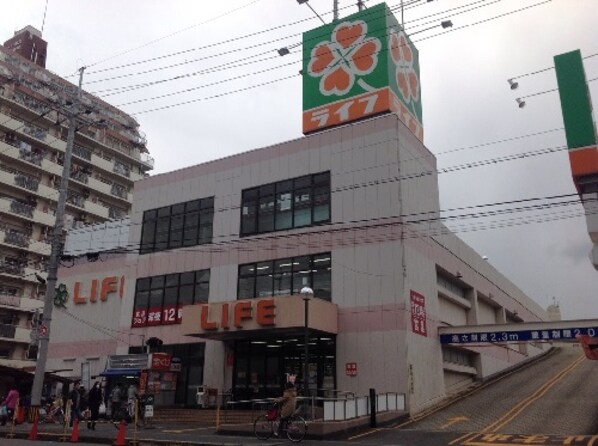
<point x="306" y="293"/>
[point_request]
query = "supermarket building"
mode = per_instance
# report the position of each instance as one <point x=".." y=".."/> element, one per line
<point x="215" y="255"/>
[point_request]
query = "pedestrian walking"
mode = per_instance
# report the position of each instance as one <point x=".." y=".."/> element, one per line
<point x="94" y="400"/>
<point x="115" y="401"/>
<point x="9" y="403"/>
<point x="75" y="399"/>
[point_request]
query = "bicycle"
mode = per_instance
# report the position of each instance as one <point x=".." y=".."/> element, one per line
<point x="266" y="425"/>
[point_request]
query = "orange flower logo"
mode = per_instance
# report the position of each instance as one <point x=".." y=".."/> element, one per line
<point x="402" y="55"/>
<point x="346" y="56"/>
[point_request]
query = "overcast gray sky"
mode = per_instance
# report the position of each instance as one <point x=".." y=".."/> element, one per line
<point x="467" y="103"/>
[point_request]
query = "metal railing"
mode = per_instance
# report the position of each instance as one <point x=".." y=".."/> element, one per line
<point x="346" y="409"/>
<point x="21" y="208"/>
<point x="27" y="182"/>
<point x="11" y="300"/>
<point x="75" y="199"/>
<point x="29" y="156"/>
<point x="7" y="331"/>
<point x="80" y="176"/>
<point x="121" y="169"/>
<point x="119" y="191"/>
<point x="16" y="238"/>
<point x="82" y="152"/>
<point x="12" y="268"/>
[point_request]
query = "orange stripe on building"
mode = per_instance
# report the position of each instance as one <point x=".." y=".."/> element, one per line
<point x="347" y="110"/>
<point x="584" y="161"/>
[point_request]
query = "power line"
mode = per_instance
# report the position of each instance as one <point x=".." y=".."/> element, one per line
<point x="173" y="34"/>
<point x="234" y="39"/>
<point x="288" y="77"/>
<point x="532" y="73"/>
<point x="421" y="217"/>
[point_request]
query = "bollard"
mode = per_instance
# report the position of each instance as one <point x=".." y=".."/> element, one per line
<point x="372" y="407"/>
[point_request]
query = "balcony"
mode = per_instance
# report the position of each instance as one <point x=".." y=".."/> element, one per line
<point x="20" y="208"/>
<point x="16" y="238"/>
<point x="35" y="131"/>
<point x="21" y="128"/>
<point x="115" y="214"/>
<point x="7" y="331"/>
<point x="21" y="240"/>
<point x="122" y="169"/>
<point x="10" y="300"/>
<point x="27" y="182"/>
<point x="31" y="157"/>
<point x="13" y="268"/>
<point x="119" y="191"/>
<point x="75" y="199"/>
<point x="82" y="152"/>
<point x="80" y="176"/>
<point x="26" y="211"/>
<point x="17" y="334"/>
<point x="147" y="160"/>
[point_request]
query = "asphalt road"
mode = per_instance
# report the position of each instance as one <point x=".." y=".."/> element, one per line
<point x="552" y="402"/>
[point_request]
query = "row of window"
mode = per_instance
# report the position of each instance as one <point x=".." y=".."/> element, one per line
<point x="286" y="276"/>
<point x="294" y="203"/>
<point x="159" y="299"/>
<point x="288" y="204"/>
<point x="183" y="224"/>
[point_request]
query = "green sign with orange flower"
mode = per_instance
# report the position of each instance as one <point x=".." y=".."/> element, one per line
<point x="360" y="66"/>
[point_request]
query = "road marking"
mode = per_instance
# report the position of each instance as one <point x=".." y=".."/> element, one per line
<point x="523" y="440"/>
<point x="462" y="437"/>
<point x="541" y="391"/>
<point x="453" y="420"/>
<point x="421" y="416"/>
<point x="180" y="431"/>
<point x="373" y="431"/>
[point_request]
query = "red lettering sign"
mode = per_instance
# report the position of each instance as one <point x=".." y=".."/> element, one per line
<point x="220" y="316"/>
<point x="418" y="314"/>
<point x="351" y="368"/>
<point x="139" y="317"/>
<point x="154" y="316"/>
<point x="169" y="315"/>
<point x="161" y="361"/>
<point x="109" y="285"/>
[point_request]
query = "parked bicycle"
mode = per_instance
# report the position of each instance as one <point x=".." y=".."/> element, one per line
<point x="267" y="425"/>
<point x="51" y="414"/>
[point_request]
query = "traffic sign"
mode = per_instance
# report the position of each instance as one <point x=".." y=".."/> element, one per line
<point x="43" y="330"/>
<point x="546" y="335"/>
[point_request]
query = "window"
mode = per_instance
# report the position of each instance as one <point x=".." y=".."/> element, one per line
<point x="288" y="204"/>
<point x="286" y="276"/>
<point x="159" y="300"/>
<point x="182" y="224"/>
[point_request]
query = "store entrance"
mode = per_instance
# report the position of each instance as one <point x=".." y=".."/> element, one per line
<point x="262" y="365"/>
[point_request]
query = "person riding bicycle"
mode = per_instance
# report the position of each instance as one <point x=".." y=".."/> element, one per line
<point x="287" y="403"/>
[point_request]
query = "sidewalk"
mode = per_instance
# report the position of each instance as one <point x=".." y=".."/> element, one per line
<point x="194" y="434"/>
<point x="171" y="434"/>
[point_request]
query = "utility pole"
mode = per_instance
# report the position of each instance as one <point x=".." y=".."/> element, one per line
<point x="46" y="319"/>
<point x="335" y="10"/>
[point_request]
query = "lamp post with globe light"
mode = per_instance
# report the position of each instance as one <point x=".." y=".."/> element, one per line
<point x="306" y="293"/>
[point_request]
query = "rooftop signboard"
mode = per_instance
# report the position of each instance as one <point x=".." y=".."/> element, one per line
<point x="360" y="66"/>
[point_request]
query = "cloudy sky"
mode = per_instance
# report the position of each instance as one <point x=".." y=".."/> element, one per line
<point x="233" y="93"/>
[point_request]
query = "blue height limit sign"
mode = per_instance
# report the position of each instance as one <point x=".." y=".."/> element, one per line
<point x="557" y="334"/>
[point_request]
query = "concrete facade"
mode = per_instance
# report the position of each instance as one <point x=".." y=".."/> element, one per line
<point x="397" y="273"/>
<point x="106" y="160"/>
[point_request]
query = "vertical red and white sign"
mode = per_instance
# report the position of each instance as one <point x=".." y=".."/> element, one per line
<point x="351" y="368"/>
<point x="418" y="314"/>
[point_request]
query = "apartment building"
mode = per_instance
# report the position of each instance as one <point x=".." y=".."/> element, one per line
<point x="109" y="155"/>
